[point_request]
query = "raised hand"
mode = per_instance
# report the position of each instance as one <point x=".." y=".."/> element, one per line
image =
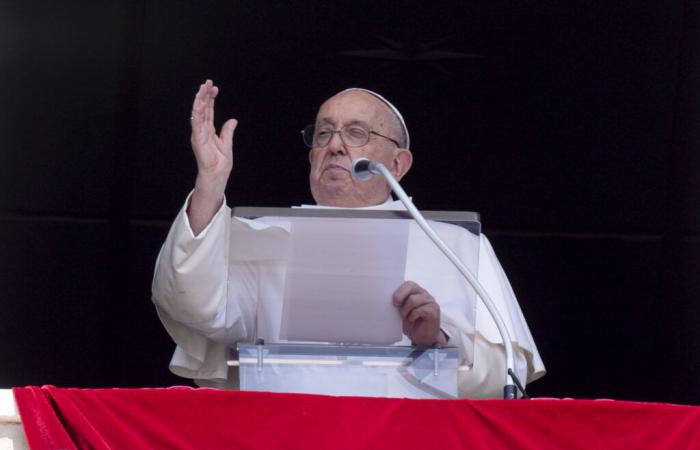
<point x="214" y="155"/>
<point x="420" y="314"/>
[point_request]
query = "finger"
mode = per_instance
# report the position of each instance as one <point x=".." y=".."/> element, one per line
<point x="209" y="99"/>
<point x="198" y="105"/>
<point x="210" y="104"/>
<point x="227" y="135"/>
<point x="206" y="99"/>
<point x="415" y="301"/>
<point x="416" y="314"/>
<point x="404" y="291"/>
<point x="199" y="108"/>
<point x="427" y="312"/>
<point x="197" y="120"/>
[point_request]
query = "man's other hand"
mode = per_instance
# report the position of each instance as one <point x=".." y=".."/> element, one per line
<point x="420" y="314"/>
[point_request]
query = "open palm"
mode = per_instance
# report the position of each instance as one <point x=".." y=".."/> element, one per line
<point x="214" y="153"/>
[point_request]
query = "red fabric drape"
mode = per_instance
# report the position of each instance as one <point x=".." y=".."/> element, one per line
<point x="186" y="418"/>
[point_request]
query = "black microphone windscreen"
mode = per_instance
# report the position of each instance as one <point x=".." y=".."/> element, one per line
<point x="360" y="169"/>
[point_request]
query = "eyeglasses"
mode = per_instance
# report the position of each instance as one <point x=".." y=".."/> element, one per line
<point x="351" y="135"/>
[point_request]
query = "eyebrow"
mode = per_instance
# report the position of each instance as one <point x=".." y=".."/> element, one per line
<point x="352" y="122"/>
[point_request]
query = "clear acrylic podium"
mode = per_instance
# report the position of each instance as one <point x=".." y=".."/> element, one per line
<point x="279" y="364"/>
<point x="353" y="370"/>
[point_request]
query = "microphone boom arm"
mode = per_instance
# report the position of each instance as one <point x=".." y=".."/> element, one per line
<point x="361" y="167"/>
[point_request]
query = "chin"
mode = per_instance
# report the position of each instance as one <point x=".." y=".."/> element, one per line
<point x="325" y="197"/>
<point x="331" y="193"/>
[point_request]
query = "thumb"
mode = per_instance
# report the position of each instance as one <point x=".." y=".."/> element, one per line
<point x="227" y="133"/>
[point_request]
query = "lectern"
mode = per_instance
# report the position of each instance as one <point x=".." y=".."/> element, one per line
<point x="371" y="371"/>
<point x="345" y="366"/>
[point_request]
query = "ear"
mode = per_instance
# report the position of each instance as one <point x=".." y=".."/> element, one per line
<point x="401" y="162"/>
<point x="310" y="156"/>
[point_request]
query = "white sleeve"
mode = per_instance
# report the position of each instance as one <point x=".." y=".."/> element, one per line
<point x="189" y="291"/>
<point x="487" y="375"/>
<point x="529" y="365"/>
<point x="190" y="276"/>
<point x="486" y="378"/>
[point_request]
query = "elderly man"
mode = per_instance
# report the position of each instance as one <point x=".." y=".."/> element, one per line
<point x="206" y="309"/>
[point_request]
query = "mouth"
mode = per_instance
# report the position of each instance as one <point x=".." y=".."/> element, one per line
<point x="335" y="167"/>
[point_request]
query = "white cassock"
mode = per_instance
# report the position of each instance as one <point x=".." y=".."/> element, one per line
<point x="209" y="297"/>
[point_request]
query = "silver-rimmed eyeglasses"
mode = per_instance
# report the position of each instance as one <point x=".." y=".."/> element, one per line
<point x="351" y="135"/>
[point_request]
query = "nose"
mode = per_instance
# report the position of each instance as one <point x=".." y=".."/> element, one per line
<point x="336" y="144"/>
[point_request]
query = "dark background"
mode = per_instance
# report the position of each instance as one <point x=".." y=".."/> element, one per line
<point x="571" y="126"/>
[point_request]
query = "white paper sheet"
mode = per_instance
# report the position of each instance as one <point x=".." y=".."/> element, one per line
<point x="340" y="277"/>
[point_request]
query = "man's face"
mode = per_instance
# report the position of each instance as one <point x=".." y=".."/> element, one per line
<point x="330" y="179"/>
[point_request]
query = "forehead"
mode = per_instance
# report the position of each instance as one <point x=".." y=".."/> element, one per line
<point x="353" y="106"/>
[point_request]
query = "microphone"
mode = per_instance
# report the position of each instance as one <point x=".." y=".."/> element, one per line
<point x="362" y="170"/>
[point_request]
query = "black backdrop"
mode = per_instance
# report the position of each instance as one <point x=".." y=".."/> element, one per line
<point x="571" y="126"/>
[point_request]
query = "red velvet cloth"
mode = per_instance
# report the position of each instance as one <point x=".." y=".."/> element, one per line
<point x="186" y="418"/>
